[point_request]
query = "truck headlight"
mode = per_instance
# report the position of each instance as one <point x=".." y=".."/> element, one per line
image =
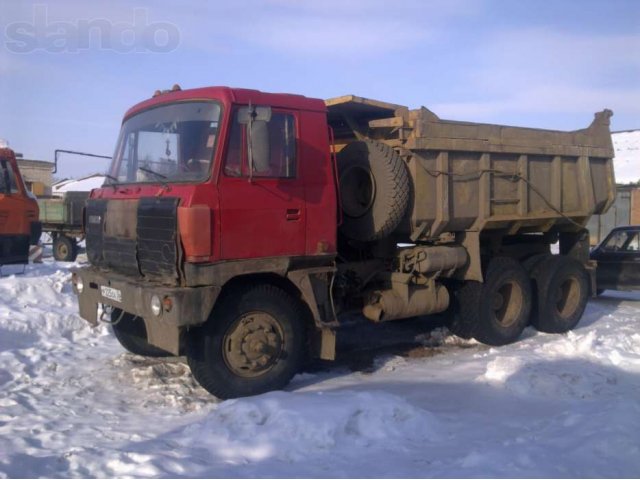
<point x="156" y="305"/>
<point x="77" y="282"/>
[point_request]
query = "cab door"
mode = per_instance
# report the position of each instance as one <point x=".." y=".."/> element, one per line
<point x="16" y="213"/>
<point x="262" y="207"/>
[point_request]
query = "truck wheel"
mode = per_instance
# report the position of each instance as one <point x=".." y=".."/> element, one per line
<point x="374" y="190"/>
<point x="65" y="249"/>
<point x="501" y="309"/>
<point x="253" y="343"/>
<point x="132" y="335"/>
<point x="530" y="263"/>
<point x="464" y="304"/>
<point x="562" y="291"/>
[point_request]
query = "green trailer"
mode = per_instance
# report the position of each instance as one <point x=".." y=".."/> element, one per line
<point x="61" y="218"/>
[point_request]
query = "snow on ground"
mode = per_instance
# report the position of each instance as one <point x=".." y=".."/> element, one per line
<point x="73" y="404"/>
<point x="627" y="156"/>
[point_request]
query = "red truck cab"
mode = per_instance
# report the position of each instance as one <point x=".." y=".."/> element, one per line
<point x="208" y="189"/>
<point x="19" y="225"/>
<point x="225" y="214"/>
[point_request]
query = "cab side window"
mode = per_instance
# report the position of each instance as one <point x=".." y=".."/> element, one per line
<point x="634" y="242"/>
<point x="282" y="140"/>
<point x="236" y="149"/>
<point x="623" y="241"/>
<point x="282" y="149"/>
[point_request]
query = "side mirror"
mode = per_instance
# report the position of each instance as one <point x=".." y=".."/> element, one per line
<point x="258" y="146"/>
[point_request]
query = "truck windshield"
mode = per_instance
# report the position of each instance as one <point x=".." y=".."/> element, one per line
<point x="8" y="182"/>
<point x="171" y="143"/>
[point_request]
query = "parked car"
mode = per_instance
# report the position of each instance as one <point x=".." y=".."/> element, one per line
<point x="618" y="257"/>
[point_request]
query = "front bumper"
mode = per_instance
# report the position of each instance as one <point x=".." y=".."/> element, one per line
<point x="189" y="306"/>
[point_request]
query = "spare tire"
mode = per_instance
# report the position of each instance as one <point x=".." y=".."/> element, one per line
<point x="374" y="190"/>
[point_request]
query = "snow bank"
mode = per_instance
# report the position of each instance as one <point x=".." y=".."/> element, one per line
<point x="293" y="428"/>
<point x="583" y="363"/>
<point x="38" y="306"/>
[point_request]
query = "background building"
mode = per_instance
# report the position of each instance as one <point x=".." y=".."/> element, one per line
<point x="37" y="175"/>
<point x="626" y="209"/>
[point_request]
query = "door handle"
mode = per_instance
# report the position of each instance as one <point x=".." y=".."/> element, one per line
<point x="293" y="214"/>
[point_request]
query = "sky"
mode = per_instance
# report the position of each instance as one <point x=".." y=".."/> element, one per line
<point x="70" y="69"/>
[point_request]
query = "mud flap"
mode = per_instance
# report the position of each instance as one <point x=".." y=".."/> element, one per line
<point x="164" y="336"/>
<point x="88" y="310"/>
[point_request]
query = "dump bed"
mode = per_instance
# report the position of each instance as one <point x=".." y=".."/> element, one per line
<point x="473" y="176"/>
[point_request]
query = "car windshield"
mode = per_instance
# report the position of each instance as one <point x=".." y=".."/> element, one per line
<point x="171" y="143"/>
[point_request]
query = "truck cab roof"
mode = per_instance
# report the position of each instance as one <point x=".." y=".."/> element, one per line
<point x="228" y="95"/>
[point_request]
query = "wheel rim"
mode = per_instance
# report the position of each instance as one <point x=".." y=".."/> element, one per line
<point x="357" y="191"/>
<point x="506" y="303"/>
<point x="253" y="344"/>
<point x="568" y="297"/>
<point x="63" y="251"/>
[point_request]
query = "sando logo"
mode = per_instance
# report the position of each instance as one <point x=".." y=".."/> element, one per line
<point x="137" y="36"/>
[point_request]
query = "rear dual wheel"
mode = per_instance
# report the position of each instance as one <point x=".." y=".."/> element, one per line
<point x="497" y="311"/>
<point x="502" y="303"/>
<point x="549" y="291"/>
<point x="561" y="287"/>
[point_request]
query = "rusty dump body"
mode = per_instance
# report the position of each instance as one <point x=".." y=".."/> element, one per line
<point x="466" y="199"/>
<point x="475" y="177"/>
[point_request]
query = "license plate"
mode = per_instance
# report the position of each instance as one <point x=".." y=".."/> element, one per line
<point x="111" y="293"/>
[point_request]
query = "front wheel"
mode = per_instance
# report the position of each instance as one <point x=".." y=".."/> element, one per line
<point x="253" y="343"/>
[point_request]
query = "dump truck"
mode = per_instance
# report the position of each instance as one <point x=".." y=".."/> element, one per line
<point x="19" y="225"/>
<point x="243" y="229"/>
